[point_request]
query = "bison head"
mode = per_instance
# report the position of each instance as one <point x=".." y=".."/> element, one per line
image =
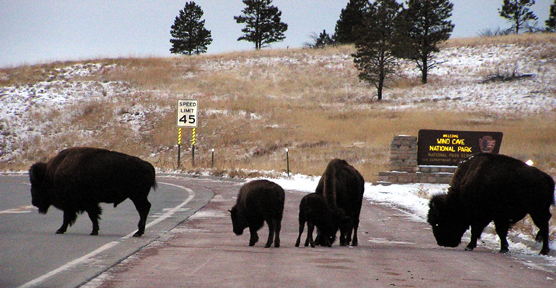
<point x="238" y="221"/>
<point x="39" y="187"/>
<point x="447" y="224"/>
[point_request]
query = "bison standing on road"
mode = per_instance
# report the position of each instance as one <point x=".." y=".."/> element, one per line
<point x="342" y="187"/>
<point x="314" y="210"/>
<point x="259" y="201"/>
<point x="78" y="179"/>
<point x="491" y="187"/>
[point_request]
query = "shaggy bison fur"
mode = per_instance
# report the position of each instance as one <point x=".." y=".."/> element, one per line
<point x="342" y="187"/>
<point x="492" y="187"/>
<point x="259" y="201"/>
<point x="314" y="210"/>
<point x="78" y="179"/>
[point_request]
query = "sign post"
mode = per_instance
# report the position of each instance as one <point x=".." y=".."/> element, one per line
<point x="187" y="118"/>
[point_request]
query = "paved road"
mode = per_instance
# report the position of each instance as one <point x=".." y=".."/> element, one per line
<point x="33" y="255"/>
<point x="394" y="251"/>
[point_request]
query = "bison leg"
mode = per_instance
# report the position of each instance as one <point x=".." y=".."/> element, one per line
<point x="253" y="237"/>
<point x="310" y="229"/>
<point x="502" y="227"/>
<point x="94" y="214"/>
<point x="271" y="230"/>
<point x="277" y="228"/>
<point x="476" y="231"/>
<point x="143" y="206"/>
<point x="542" y="222"/>
<point x="355" y="241"/>
<point x="69" y="219"/>
<point x="301" y="227"/>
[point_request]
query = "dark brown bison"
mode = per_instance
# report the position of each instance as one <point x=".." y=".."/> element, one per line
<point x="314" y="210"/>
<point x="259" y="201"/>
<point x="491" y="187"/>
<point x="78" y="179"/>
<point x="342" y="187"/>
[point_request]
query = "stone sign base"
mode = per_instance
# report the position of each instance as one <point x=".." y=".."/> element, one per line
<point x="404" y="168"/>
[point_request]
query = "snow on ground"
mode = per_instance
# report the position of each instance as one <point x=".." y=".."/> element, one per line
<point x="455" y="86"/>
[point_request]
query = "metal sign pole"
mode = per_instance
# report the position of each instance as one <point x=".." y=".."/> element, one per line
<point x="179" y="146"/>
<point x="193" y="140"/>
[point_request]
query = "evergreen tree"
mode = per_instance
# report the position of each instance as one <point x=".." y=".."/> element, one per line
<point x="188" y="32"/>
<point x="422" y="26"/>
<point x="323" y="40"/>
<point x="262" y="23"/>
<point x="375" y="42"/>
<point x="517" y="12"/>
<point x="350" y="17"/>
<point x="319" y="41"/>
<point x="551" y="22"/>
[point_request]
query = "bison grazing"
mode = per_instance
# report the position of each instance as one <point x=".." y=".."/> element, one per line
<point x="259" y="201"/>
<point x="314" y="210"/>
<point x="491" y="187"/>
<point x="78" y="179"/>
<point x="342" y="187"/>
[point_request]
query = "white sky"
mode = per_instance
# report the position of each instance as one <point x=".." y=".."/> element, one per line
<point x="36" y="31"/>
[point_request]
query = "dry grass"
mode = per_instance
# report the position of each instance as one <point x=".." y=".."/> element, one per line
<point x="255" y="104"/>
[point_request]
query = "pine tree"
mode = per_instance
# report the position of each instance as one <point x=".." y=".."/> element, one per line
<point x="551" y="22"/>
<point x="350" y="17"/>
<point x="375" y="42"/>
<point x="262" y="23"/>
<point x="517" y="12"/>
<point x="188" y="32"/>
<point x="422" y="26"/>
<point x="323" y="40"/>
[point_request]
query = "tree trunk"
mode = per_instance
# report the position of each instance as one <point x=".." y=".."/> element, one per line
<point x="380" y="87"/>
<point x="425" y="70"/>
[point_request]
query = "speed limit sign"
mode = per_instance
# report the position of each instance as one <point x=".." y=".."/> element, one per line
<point x="187" y="113"/>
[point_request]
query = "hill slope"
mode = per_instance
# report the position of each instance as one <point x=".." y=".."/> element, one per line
<point x="255" y="104"/>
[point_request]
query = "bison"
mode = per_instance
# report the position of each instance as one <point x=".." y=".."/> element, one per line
<point x="314" y="210"/>
<point x="342" y="187"/>
<point x="259" y="201"/>
<point x="78" y="179"/>
<point x="491" y="187"/>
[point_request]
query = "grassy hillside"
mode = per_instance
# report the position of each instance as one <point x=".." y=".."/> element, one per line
<point x="255" y="104"/>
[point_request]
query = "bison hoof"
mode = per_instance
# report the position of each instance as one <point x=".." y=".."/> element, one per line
<point x="544" y="252"/>
<point x="60" y="231"/>
<point x="94" y="233"/>
<point x="137" y="234"/>
<point x="503" y="251"/>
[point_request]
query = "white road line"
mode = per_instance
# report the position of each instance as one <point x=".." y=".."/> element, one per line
<point x="19" y="210"/>
<point x="109" y="245"/>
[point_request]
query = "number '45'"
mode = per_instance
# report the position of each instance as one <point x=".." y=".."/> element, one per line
<point x="188" y="120"/>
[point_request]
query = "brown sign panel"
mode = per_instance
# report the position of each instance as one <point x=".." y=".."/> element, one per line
<point x="448" y="148"/>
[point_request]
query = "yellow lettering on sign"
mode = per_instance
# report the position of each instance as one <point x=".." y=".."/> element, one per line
<point x="464" y="149"/>
<point x="442" y="148"/>
<point x="443" y="141"/>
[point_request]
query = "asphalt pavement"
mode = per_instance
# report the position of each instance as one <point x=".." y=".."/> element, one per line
<point x="395" y="250"/>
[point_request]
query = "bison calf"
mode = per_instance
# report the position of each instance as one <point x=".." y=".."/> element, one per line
<point x="259" y="201"/>
<point x="314" y="211"/>
<point x="491" y="187"/>
<point x="78" y="179"/>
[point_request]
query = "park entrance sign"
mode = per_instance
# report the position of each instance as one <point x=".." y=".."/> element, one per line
<point x="448" y="148"/>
